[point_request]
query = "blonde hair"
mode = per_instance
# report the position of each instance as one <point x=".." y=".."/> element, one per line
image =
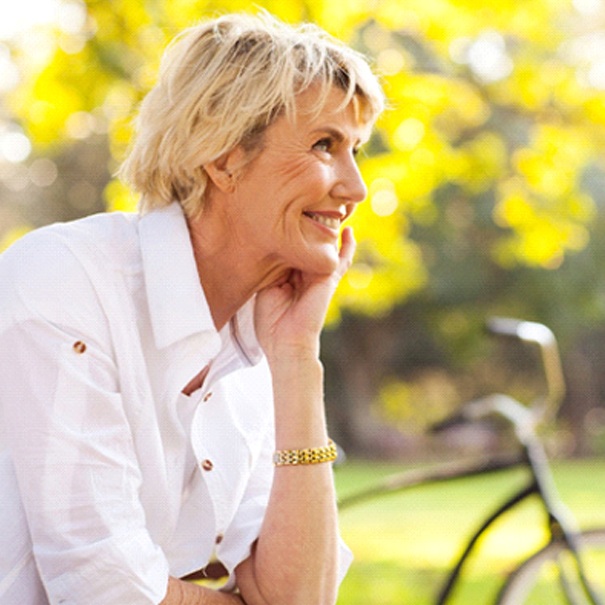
<point x="221" y="83"/>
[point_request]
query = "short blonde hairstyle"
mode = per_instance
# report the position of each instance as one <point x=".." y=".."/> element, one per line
<point x="221" y="84"/>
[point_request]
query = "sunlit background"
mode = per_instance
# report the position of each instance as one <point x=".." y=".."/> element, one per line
<point x="485" y="181"/>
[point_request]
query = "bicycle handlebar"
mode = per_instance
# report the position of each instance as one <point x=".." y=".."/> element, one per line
<point x="529" y="331"/>
<point x="523" y="417"/>
<point x="543" y="337"/>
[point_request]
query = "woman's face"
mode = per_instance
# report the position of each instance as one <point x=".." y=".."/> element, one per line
<point x="291" y="200"/>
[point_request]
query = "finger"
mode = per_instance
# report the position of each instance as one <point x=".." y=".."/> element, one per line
<point x="347" y="250"/>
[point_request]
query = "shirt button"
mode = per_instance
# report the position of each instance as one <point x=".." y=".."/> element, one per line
<point x="79" y="347"/>
<point x="218" y="539"/>
<point x="207" y="396"/>
<point x="207" y="465"/>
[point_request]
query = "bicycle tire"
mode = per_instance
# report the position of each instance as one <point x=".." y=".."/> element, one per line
<point x="527" y="584"/>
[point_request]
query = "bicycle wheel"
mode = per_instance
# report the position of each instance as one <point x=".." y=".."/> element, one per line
<point x="539" y="579"/>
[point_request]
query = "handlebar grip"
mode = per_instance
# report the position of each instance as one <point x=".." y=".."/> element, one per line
<point x="504" y="326"/>
<point x="529" y="331"/>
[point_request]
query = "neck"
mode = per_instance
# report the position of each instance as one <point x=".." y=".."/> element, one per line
<point x="230" y="272"/>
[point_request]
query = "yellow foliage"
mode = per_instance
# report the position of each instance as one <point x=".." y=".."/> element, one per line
<point x="418" y="403"/>
<point x="13" y="235"/>
<point x="581" y="207"/>
<point x="445" y="127"/>
<point x="373" y="290"/>
<point x="465" y="108"/>
<point x="388" y="266"/>
<point x="393" y="15"/>
<point x="514" y="210"/>
<point x="119" y="198"/>
<point x="542" y="232"/>
<point x="541" y="247"/>
<point x="594" y="111"/>
<point x="341" y="18"/>
<point x="542" y="204"/>
<point x="431" y="109"/>
<point x="484" y="161"/>
<point x="413" y="175"/>
<point x="45" y="104"/>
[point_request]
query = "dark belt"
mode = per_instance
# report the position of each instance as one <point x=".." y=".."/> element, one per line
<point x="212" y="571"/>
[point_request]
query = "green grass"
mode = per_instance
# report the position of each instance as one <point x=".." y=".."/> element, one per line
<point x="404" y="543"/>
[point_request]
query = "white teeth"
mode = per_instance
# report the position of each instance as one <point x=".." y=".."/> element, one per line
<point x="332" y="223"/>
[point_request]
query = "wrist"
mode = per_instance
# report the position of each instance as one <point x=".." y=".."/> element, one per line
<point x="296" y="363"/>
<point x="297" y="380"/>
<point x="299" y="404"/>
<point x="295" y="352"/>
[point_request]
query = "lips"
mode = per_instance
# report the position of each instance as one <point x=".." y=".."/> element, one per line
<point x="330" y="221"/>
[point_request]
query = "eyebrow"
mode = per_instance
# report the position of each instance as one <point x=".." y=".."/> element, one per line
<point x="336" y="134"/>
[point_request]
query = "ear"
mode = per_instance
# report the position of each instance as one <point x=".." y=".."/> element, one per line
<point x="223" y="171"/>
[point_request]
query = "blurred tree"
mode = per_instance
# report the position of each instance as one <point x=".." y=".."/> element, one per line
<point x="485" y="175"/>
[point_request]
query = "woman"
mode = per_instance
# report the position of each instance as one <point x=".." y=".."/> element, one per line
<point x="160" y="380"/>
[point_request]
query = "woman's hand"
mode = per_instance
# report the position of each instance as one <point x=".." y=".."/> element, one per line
<point x="290" y="314"/>
<point x="283" y="568"/>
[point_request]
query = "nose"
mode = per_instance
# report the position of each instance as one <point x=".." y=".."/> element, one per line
<point x="349" y="186"/>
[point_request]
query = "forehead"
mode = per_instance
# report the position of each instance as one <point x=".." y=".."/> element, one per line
<point x="311" y="113"/>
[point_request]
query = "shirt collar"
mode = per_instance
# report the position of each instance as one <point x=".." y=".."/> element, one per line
<point x="244" y="333"/>
<point x="177" y="304"/>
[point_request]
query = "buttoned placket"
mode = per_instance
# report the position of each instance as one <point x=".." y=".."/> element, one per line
<point x="224" y="362"/>
<point x="227" y="360"/>
<point x="204" y="465"/>
<point x="207" y="465"/>
<point x="214" y="476"/>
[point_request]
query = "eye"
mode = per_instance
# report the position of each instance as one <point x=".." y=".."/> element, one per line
<point x="326" y="144"/>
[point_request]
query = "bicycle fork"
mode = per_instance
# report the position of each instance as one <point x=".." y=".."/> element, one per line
<point x="562" y="528"/>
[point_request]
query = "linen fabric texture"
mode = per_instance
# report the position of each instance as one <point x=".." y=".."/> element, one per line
<point x="112" y="479"/>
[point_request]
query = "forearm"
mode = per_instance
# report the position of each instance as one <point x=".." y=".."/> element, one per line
<point x="187" y="593"/>
<point x="296" y="557"/>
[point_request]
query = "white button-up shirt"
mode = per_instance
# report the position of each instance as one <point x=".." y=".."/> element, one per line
<point x="111" y="478"/>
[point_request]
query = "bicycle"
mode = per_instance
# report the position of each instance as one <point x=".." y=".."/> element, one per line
<point x="572" y="562"/>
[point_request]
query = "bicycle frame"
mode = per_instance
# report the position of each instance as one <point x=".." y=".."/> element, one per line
<point x="561" y="525"/>
<point x="525" y="420"/>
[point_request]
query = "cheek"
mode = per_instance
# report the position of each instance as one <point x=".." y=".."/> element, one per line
<point x="313" y="180"/>
<point x="302" y="186"/>
<point x="284" y="187"/>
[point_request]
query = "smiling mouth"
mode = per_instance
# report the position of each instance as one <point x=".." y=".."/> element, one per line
<point x="328" y="221"/>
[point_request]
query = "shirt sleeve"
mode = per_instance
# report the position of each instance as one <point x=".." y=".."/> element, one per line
<point x="69" y="439"/>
